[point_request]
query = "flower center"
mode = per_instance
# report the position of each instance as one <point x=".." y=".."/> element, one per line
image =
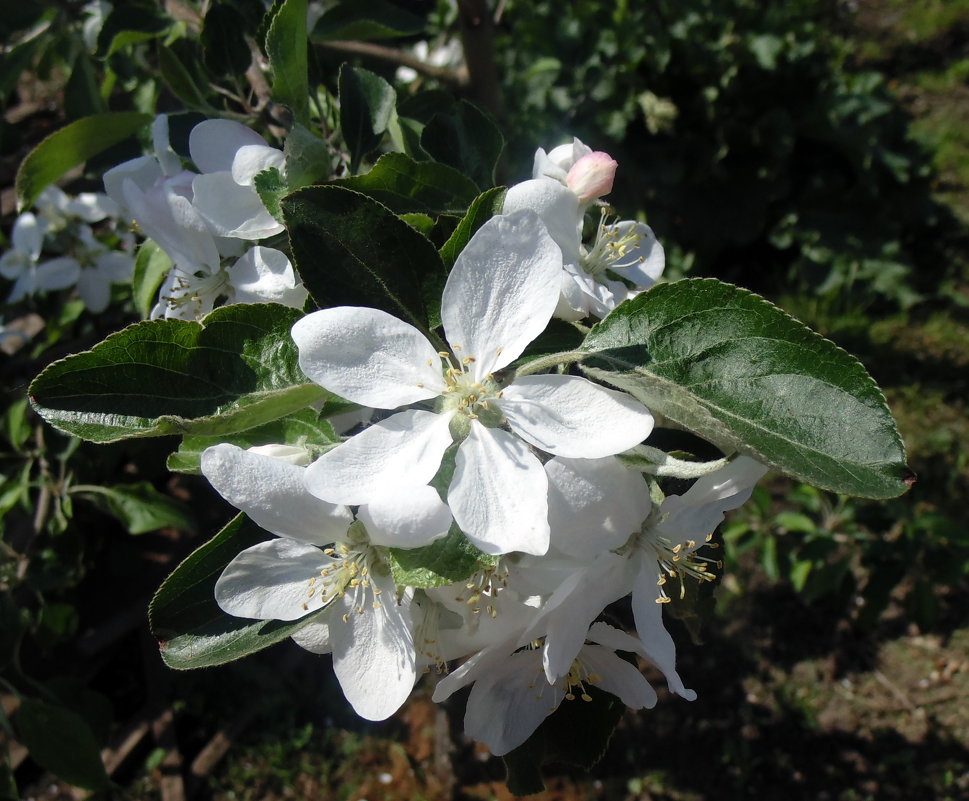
<point x="471" y="397"/>
<point x="348" y="574"/>
<point x="576" y="679"/>
<point x="198" y="289"/>
<point x="484" y="586"/>
<point x="678" y="561"/>
<point x="612" y="244"/>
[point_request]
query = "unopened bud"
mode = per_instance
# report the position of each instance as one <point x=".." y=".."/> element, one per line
<point x="292" y="454"/>
<point x="591" y="176"/>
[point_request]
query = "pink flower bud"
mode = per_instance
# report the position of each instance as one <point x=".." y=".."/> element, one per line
<point x="592" y="175"/>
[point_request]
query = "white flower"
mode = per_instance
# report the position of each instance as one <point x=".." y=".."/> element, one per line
<point x="60" y="209"/>
<point x="495" y="302"/>
<point x="511" y="696"/>
<point x="368" y="629"/>
<point x="654" y="550"/>
<point x="230" y="155"/>
<point x="19" y="264"/>
<point x="624" y="258"/>
<point x="559" y="160"/>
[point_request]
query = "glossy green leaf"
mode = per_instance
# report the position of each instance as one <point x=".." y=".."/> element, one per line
<point x="192" y="630"/>
<point x="738" y="371"/>
<point x="129" y="23"/>
<point x="304" y="428"/>
<point x="368" y="105"/>
<point x="71" y="146"/>
<point x="272" y="188"/>
<point x="466" y="138"/>
<point x="286" y="47"/>
<point x="235" y="370"/>
<point x="407" y="186"/>
<point x="309" y="159"/>
<point x="449" y="559"/>
<point x="352" y="251"/>
<point x="364" y="20"/>
<point x="482" y="209"/>
<point x="142" y="508"/>
<point x="60" y="741"/>
<point x="151" y="266"/>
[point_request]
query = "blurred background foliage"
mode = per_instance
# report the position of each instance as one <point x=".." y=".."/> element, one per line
<point x="816" y="151"/>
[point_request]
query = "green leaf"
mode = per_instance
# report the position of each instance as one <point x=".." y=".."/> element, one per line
<point x="272" y="188"/>
<point x="224" y="41"/>
<point x="467" y="139"/>
<point x="731" y="367"/>
<point x="71" y="146"/>
<point x="352" y="251"/>
<point x="364" y="20"/>
<point x="151" y="266"/>
<point x="235" y="370"/>
<point x="60" y="741"/>
<point x="407" y="186"/>
<point x="142" y="508"/>
<point x="308" y="158"/>
<point x="177" y="77"/>
<point x="192" y="630"/>
<point x="304" y="428"/>
<point x="286" y="46"/>
<point x="81" y="94"/>
<point x="130" y="23"/>
<point x="483" y="208"/>
<point x="368" y="105"/>
<point x="449" y="559"/>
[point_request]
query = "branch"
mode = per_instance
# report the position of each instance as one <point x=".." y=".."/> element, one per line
<point x="478" y="38"/>
<point x="403" y="58"/>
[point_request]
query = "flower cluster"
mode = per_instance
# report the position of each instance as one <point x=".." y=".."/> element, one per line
<point x="89" y="260"/>
<point x="207" y="222"/>
<point x="473" y="453"/>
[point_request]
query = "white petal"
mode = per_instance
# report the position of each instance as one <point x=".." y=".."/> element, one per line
<point x="644" y="264"/>
<point x="93" y="206"/>
<point x="314" y="637"/>
<point x="402" y="451"/>
<point x="506" y="707"/>
<point x="701" y="508"/>
<point x="502" y="291"/>
<point x="27" y="235"/>
<point x="265" y="275"/>
<point x="168" y="160"/>
<point x="57" y="274"/>
<point x="373" y="653"/>
<point x="270" y="581"/>
<point x="618" y="677"/>
<point x="368" y="356"/>
<point x="213" y="143"/>
<point x="499" y="493"/>
<point x="657" y="644"/>
<point x="143" y="171"/>
<point x="570" y="416"/>
<point x="231" y="209"/>
<point x="594" y="505"/>
<point x="271" y="492"/>
<point x="95" y="290"/>
<point x="557" y="206"/>
<point x="115" y="267"/>
<point x="252" y="159"/>
<point x="406" y="517"/>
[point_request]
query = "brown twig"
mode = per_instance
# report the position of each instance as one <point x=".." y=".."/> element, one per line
<point x="402" y="58"/>
<point x="478" y="38"/>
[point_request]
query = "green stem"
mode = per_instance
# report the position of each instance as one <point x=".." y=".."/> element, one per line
<point x="552" y="360"/>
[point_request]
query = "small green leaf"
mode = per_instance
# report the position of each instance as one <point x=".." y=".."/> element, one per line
<point x="449" y="559"/>
<point x="406" y="186"/>
<point x="308" y="158"/>
<point x="224" y="41"/>
<point x="368" y="105"/>
<point x="192" y="630"/>
<point x="731" y="367"/>
<point x="304" y="428"/>
<point x="467" y="139"/>
<point x="130" y="23"/>
<point x="151" y="266"/>
<point x="286" y="46"/>
<point x="365" y="20"/>
<point x="352" y="251"/>
<point x="60" y="741"/>
<point x="237" y="369"/>
<point x="71" y="146"/>
<point x="272" y="188"/>
<point x="142" y="508"/>
<point x="482" y="208"/>
<point x="177" y="76"/>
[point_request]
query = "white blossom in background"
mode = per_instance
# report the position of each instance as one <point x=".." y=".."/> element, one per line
<point x="61" y="210"/>
<point x="498" y="297"/>
<point x="448" y="52"/>
<point x="623" y="258"/>
<point x="21" y="264"/>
